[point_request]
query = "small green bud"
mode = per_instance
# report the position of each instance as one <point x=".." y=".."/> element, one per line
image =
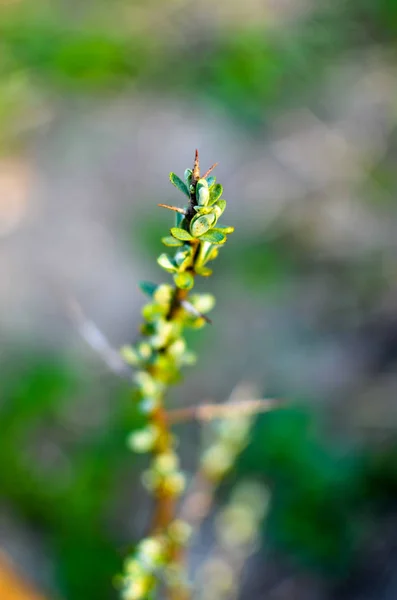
<point x="177" y="348"/>
<point x="130" y="355"/>
<point x="203" y="193"/>
<point x="146" y="383"/>
<point x="203" y="196"/>
<point x="137" y="588"/>
<point x="174" y="484"/>
<point x="203" y="302"/>
<point x="151" y="312"/>
<point x="148" y="405"/>
<point x="150" y="552"/>
<point x="185" y="280"/>
<point x="166" y="463"/>
<point x="180" y="531"/>
<point x="145" y="350"/>
<point x="132" y="567"/>
<point x="163" y="294"/>
<point x="164" y="331"/>
<point x="143" y="440"/>
<point x="202" y="183"/>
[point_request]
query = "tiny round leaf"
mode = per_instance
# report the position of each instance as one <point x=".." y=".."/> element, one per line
<point x="184" y="280"/>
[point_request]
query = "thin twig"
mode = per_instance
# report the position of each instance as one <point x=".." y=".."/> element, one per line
<point x="94" y="337"/>
<point x="174" y="208"/>
<point x="210" y="412"/>
<point x="209" y="170"/>
<point x="193" y="311"/>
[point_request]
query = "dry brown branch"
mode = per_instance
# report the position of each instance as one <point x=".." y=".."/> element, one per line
<point x="210" y="412"/>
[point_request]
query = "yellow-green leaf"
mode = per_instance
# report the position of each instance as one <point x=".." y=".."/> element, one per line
<point x="181" y="234"/>
<point x="184" y="280"/>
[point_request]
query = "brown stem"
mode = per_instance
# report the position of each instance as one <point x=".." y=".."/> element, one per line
<point x="166" y="502"/>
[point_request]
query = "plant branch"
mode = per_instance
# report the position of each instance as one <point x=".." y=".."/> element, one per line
<point x="158" y="358"/>
<point x="210" y="412"/>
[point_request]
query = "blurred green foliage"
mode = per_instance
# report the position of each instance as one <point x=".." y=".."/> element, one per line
<point x="247" y="71"/>
<point x="70" y="500"/>
<point x="326" y="495"/>
<point x="65" y="54"/>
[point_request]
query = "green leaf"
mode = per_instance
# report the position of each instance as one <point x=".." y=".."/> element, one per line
<point x="148" y="287"/>
<point x="184" y="280"/>
<point x="171" y="241"/>
<point x="181" y="234"/>
<point x="224" y="228"/>
<point x="201" y="223"/>
<point x="203" y="210"/>
<point x="188" y="176"/>
<point x="215" y="192"/>
<point x="210" y="254"/>
<point x="211" y="181"/>
<point x="179" y="184"/>
<point x="189" y="359"/>
<point x="178" y="219"/>
<point x="166" y="263"/>
<point x="203" y="302"/>
<point x="213" y="236"/>
<point x="219" y="208"/>
<point x="183" y="258"/>
<point x="130" y="355"/>
<point x="151" y="312"/>
<point x="203" y="271"/>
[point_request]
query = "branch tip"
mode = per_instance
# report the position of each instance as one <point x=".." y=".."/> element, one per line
<point x="196" y="167"/>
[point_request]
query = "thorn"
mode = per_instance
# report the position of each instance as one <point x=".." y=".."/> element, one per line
<point x="174" y="208"/>
<point x="196" y="168"/>
<point x="209" y="170"/>
<point x="193" y="311"/>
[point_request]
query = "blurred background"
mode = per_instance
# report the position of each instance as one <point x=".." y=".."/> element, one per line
<point x="296" y="99"/>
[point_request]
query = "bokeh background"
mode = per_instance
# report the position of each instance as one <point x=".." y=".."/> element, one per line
<point x="296" y="99"/>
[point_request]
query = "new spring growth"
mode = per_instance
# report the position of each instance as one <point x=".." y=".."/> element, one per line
<point x="159" y="356"/>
